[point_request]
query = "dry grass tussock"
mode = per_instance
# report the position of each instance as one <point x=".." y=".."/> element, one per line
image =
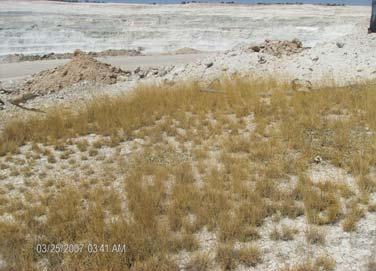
<point x="216" y="162"/>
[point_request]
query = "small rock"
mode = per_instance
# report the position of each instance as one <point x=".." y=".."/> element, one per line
<point x="154" y="71"/>
<point x="4" y="91"/>
<point x="208" y="65"/>
<point x="301" y="85"/>
<point x="256" y="48"/>
<point x="298" y="43"/>
<point x="261" y="60"/>
<point x="340" y="44"/>
<point x="137" y="70"/>
<point x="78" y="52"/>
<point x="162" y="73"/>
<point x="315" y="58"/>
<point x="22" y="98"/>
<point x="317" y="159"/>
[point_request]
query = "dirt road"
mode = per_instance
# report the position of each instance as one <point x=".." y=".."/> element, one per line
<point x="19" y="70"/>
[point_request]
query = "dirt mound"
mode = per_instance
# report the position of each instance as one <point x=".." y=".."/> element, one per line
<point x="279" y="48"/>
<point x="111" y="52"/>
<point x="81" y="68"/>
<point x="187" y="50"/>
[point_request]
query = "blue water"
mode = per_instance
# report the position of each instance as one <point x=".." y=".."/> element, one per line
<point x="346" y="2"/>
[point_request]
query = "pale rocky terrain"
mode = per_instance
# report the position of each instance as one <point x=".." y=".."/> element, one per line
<point x="335" y="49"/>
<point x="48" y="27"/>
<point x="345" y="60"/>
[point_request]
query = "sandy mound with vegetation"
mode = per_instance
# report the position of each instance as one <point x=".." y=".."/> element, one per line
<point x="81" y="68"/>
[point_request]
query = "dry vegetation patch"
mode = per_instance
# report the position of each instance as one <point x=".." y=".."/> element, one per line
<point x="155" y="169"/>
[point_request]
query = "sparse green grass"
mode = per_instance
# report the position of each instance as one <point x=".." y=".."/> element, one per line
<point x="216" y="175"/>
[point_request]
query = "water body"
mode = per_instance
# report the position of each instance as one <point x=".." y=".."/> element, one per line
<point x="346" y="2"/>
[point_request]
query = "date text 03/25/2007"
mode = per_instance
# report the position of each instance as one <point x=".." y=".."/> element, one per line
<point x="80" y="248"/>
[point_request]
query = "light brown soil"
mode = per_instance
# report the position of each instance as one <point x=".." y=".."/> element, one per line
<point x="81" y="68"/>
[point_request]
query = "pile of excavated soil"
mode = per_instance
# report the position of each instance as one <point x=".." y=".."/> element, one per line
<point x="187" y="50"/>
<point x="279" y="48"/>
<point x="111" y="52"/>
<point x="81" y="68"/>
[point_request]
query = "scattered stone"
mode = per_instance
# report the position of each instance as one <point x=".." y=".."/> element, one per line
<point x="137" y="70"/>
<point x="297" y="42"/>
<point x="340" y="44"/>
<point x="279" y="48"/>
<point x="162" y="72"/>
<point x="261" y="60"/>
<point x="153" y="71"/>
<point x="317" y="159"/>
<point x="1" y="105"/>
<point x="208" y="65"/>
<point x="4" y="91"/>
<point x="142" y="74"/>
<point x="256" y="48"/>
<point x="301" y="85"/>
<point x="315" y="59"/>
<point x="21" y="99"/>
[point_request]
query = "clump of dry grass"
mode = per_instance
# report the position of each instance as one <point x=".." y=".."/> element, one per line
<point x="322" y="203"/>
<point x="315" y="236"/>
<point x="321" y="263"/>
<point x="285" y="233"/>
<point x="199" y="262"/>
<point x="229" y="258"/>
<point x="354" y="214"/>
<point x="196" y="166"/>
